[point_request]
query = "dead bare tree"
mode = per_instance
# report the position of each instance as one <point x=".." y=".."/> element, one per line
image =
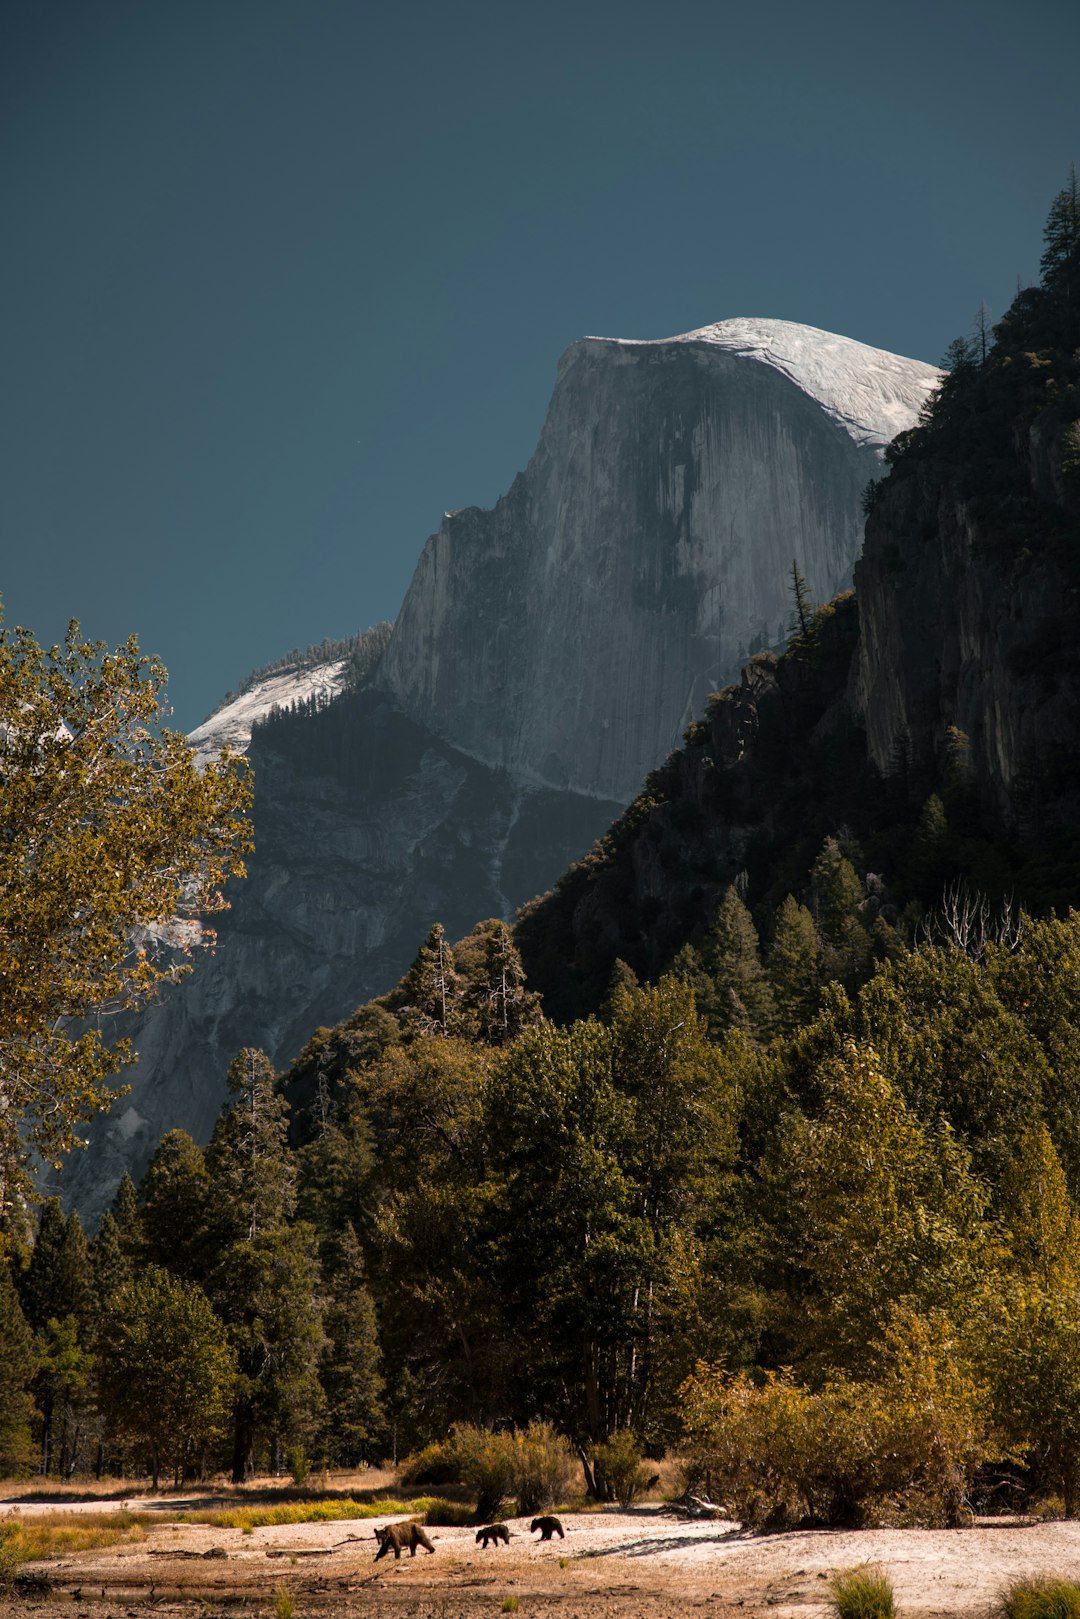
<point x="969" y="921"/>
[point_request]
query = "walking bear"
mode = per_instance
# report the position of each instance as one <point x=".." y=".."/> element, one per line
<point x="397" y="1535"/>
<point x="547" y="1526"/>
<point x="493" y="1531"/>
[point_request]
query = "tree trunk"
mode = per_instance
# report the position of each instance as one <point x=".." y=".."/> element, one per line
<point x="1070" y="1480"/>
<point x="590" y="1480"/>
<point x="243" y="1467"/>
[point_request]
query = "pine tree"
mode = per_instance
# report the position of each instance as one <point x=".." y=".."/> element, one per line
<point x="351" y="1366"/>
<point x="18" y="1364"/>
<point x="58" y="1300"/>
<point x="1044" y="1233"/>
<point x="252" y="1172"/>
<point x="128" y="1217"/>
<point x="109" y="1265"/>
<point x="1060" y="263"/>
<point x="933" y="852"/>
<point x="496" y="994"/>
<point x="58" y="1281"/>
<point x="802" y="608"/>
<point x="624" y="981"/>
<point x="175" y="1196"/>
<point x="982" y="334"/>
<point x="265" y="1281"/>
<point x="740" y="995"/>
<point x="432" y="987"/>
<point x="794" y="966"/>
<point x="837" y="895"/>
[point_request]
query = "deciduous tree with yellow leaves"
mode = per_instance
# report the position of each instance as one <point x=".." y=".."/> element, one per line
<point x="114" y="846"/>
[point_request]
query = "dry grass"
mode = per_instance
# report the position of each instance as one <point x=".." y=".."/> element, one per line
<point x="1044" y="1598"/>
<point x="432" y="1508"/>
<point x="59" y="1534"/>
<point x="355" y="1481"/>
<point x="862" y="1593"/>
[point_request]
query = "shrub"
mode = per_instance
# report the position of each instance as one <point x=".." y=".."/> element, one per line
<point x="901" y="1447"/>
<point x="435" y="1464"/>
<point x="543" y="1468"/>
<point x="862" y="1593"/>
<point x="486" y="1461"/>
<point x="299" y="1465"/>
<point x="620" y="1464"/>
<point x="442" y="1513"/>
<point x="1041" y="1599"/>
<point x="534" y="1466"/>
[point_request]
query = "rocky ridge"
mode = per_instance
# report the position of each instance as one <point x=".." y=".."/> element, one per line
<point x="571" y="634"/>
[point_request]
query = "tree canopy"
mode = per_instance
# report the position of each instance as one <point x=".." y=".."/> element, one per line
<point x="114" y="846"/>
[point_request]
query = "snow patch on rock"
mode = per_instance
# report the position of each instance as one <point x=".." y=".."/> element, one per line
<point x="231" y="726"/>
<point x="870" y="392"/>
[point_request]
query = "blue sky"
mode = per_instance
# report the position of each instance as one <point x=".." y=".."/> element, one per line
<point x="283" y="280"/>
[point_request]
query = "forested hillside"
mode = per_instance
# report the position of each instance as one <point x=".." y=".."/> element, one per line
<point x="930" y="723"/>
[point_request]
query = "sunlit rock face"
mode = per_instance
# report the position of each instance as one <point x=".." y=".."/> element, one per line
<point x="571" y="633"/>
<point x="548" y="656"/>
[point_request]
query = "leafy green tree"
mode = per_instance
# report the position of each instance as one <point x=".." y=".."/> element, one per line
<point x="953" y="1050"/>
<point x="1036" y="986"/>
<point x="64" y="1392"/>
<point x="115" y="846"/>
<point x="566" y="1252"/>
<point x="912" y="1432"/>
<point x="794" y="966"/>
<point x="1035" y="1360"/>
<point x="683" y="1107"/>
<point x="884" y="1211"/>
<point x="1033" y="1344"/>
<point x="166" y="1370"/>
<point x="423" y="1105"/>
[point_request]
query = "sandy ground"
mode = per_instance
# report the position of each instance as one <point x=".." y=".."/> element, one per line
<point x="643" y="1564"/>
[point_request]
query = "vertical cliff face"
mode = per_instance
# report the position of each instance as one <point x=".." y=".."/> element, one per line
<point x="969" y="589"/>
<point x="570" y="634"/>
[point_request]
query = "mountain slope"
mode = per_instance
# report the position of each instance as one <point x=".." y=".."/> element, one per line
<point x="548" y="655"/>
<point x="933" y="719"/>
